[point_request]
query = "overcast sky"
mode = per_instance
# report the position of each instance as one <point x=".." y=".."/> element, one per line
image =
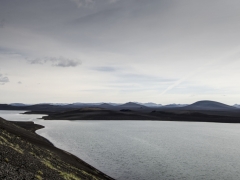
<point x="162" y="51"/>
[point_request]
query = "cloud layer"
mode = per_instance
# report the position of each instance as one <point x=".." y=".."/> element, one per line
<point x="86" y="3"/>
<point x="3" y="79"/>
<point x="157" y="50"/>
<point x="57" y="62"/>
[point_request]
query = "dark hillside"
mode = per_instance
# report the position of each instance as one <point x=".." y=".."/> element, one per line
<point x="26" y="155"/>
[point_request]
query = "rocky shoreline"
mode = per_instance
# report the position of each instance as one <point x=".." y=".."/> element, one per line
<point x="26" y="155"/>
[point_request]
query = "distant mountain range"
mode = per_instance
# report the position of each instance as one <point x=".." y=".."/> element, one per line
<point x="200" y="105"/>
<point x="202" y="111"/>
<point x="150" y="104"/>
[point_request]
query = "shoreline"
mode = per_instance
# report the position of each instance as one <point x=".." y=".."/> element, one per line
<point x="27" y="131"/>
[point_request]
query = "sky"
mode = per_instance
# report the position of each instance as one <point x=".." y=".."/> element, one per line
<point x="162" y="51"/>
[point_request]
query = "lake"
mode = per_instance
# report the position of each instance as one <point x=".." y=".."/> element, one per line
<point x="147" y="150"/>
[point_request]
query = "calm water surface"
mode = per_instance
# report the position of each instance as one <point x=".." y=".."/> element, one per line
<point x="148" y="150"/>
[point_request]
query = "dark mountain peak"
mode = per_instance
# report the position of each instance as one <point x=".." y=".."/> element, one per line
<point x="18" y="104"/>
<point x="175" y="105"/>
<point x="152" y="104"/>
<point x="209" y="105"/>
<point x="149" y="104"/>
<point x="105" y="104"/>
<point x="236" y="105"/>
<point x="131" y="105"/>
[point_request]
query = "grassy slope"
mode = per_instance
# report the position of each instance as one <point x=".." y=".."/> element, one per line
<point x="26" y="155"/>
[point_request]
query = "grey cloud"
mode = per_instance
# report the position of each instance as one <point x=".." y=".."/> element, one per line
<point x="145" y="78"/>
<point x="66" y="63"/>
<point x="105" y="69"/>
<point x="19" y="82"/>
<point x="4" y="50"/>
<point x="2" y="23"/>
<point x="134" y="77"/>
<point x="194" y="89"/>
<point x="58" y="62"/>
<point x="85" y="3"/>
<point x="37" y="61"/>
<point x="80" y="2"/>
<point x="3" y="79"/>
